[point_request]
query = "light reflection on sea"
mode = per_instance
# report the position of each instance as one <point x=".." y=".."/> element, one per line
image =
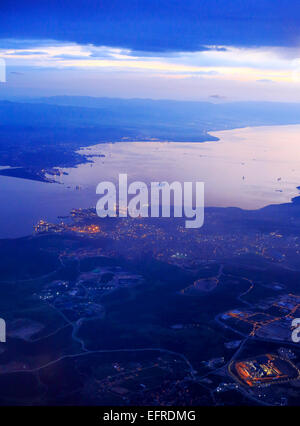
<point x="247" y="168"/>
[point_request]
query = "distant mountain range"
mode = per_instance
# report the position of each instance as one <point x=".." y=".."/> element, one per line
<point x="47" y="131"/>
<point x="136" y="113"/>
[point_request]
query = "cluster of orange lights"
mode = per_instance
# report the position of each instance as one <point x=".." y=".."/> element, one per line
<point x="89" y="229"/>
<point x="249" y="318"/>
<point x="257" y="372"/>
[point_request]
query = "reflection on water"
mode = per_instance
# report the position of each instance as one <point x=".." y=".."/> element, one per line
<point x="247" y="168"/>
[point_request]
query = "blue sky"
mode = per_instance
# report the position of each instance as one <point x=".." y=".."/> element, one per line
<point x="206" y="49"/>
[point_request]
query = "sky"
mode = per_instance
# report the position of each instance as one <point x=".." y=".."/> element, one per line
<point x="217" y="50"/>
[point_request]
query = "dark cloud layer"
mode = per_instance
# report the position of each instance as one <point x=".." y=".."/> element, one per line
<point x="155" y="25"/>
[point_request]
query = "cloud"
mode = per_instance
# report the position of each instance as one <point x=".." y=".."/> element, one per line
<point x="69" y="57"/>
<point x="163" y="53"/>
<point x="21" y="43"/>
<point x="265" y="80"/>
<point x="218" y="97"/>
<point x="155" y="26"/>
<point x="215" y="62"/>
<point x="26" y="52"/>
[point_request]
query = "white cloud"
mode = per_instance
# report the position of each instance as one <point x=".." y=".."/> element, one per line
<point x="218" y="68"/>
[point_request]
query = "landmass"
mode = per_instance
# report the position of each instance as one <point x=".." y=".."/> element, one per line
<point x="144" y="312"/>
<point x="44" y="133"/>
